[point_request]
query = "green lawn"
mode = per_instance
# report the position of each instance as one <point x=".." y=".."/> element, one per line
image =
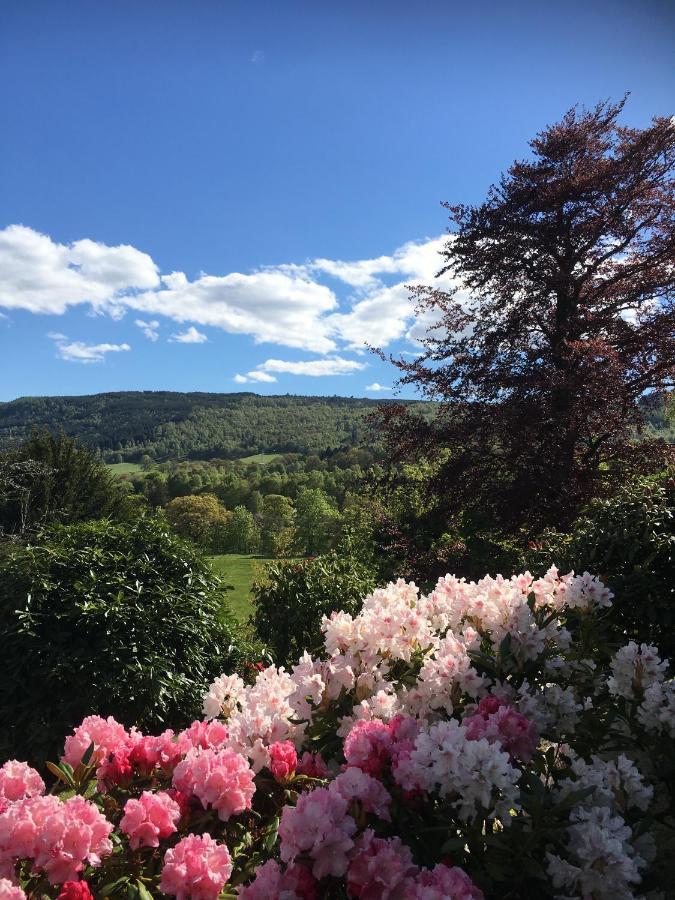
<point x="124" y="468"/>
<point x="261" y="458"/>
<point x="239" y="570"/>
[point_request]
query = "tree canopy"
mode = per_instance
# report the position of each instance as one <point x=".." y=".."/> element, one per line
<point x="561" y="320"/>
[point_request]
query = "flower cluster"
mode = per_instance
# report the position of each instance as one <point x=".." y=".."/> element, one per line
<point x="221" y="779"/>
<point x="59" y="838"/>
<point x="197" y="867"/>
<point x="477" y="741"/>
<point x="149" y="819"/>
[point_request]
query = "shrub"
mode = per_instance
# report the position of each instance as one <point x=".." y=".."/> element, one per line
<point x="455" y="745"/>
<point x="294" y="596"/>
<point x="125" y="620"/>
<point x="52" y="479"/>
<point x="630" y="540"/>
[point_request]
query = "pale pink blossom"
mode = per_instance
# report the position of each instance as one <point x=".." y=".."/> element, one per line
<point x="17" y="782"/>
<point x="149" y="819"/>
<point x="296" y="882"/>
<point x="320" y="827"/>
<point x="197" y="868"/>
<point x="10" y="891"/>
<point x="60" y="837"/>
<point x="379" y="869"/>
<point x="106" y="735"/>
<point x="221" y="779"/>
<point x="371" y="794"/>
<point x="211" y="735"/>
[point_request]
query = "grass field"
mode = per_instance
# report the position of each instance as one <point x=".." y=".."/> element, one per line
<point x="124" y="468"/>
<point x="260" y="458"/>
<point x="239" y="570"/>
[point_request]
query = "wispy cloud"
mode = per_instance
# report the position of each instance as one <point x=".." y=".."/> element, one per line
<point x="190" y="336"/>
<point x="314" y="368"/>
<point x="258" y="57"/>
<point x="78" y="351"/>
<point x="149" y="329"/>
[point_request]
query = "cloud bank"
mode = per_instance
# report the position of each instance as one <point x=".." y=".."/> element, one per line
<point x="322" y="306"/>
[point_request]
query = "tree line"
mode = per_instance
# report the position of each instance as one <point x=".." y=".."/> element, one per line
<point x="126" y="425"/>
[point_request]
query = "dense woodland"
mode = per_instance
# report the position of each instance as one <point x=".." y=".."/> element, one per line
<point x="127" y="425"/>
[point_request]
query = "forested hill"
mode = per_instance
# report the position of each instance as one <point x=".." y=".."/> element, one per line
<point x="169" y="425"/>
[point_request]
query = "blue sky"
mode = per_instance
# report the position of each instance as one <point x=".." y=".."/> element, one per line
<point x="255" y="183"/>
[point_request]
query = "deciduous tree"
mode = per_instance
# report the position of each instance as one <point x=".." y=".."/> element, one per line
<point x="562" y="319"/>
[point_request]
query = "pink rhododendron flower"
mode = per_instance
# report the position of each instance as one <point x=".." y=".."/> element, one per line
<point x="115" y="770"/>
<point x="221" y="779"/>
<point x="501" y="723"/>
<point x="58" y="836"/>
<point x="368" y="746"/>
<point x="489" y="705"/>
<point x="320" y="827"/>
<point x="149" y="819"/>
<point x="171" y="749"/>
<point x="296" y="882"/>
<point x="75" y="890"/>
<point x="312" y="765"/>
<point x="106" y="735"/>
<point x="380" y="869"/>
<point x="144" y="756"/>
<point x="18" y="781"/>
<point x="355" y="784"/>
<point x="444" y="883"/>
<point x="182" y="801"/>
<point x="211" y="734"/>
<point x="283" y="760"/>
<point x="10" y="891"/>
<point x="197" y="867"/>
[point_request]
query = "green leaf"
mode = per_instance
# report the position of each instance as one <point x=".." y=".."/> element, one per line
<point x="143" y="892"/>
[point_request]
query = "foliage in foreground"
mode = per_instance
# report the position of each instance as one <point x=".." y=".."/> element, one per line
<point x="457" y="745"/>
<point x="123" y="619"/>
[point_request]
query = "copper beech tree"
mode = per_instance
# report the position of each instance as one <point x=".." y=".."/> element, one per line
<point x="569" y="271"/>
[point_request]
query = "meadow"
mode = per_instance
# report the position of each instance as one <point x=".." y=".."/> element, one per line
<point x="239" y="570"/>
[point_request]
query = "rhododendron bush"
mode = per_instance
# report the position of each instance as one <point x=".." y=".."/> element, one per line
<point x="481" y="741"/>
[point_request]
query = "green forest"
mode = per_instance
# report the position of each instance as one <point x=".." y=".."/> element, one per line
<point x="127" y="425"/>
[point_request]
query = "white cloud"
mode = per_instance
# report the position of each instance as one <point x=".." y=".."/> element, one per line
<point x="259" y="375"/>
<point x="191" y="336"/>
<point x="41" y="276"/>
<point x="334" y="365"/>
<point x="149" y="329"/>
<point x="315" y="368"/>
<point x="376" y="387"/>
<point x="271" y="306"/>
<point x="78" y="351"/>
<point x="258" y="57"/>
<point x="289" y="305"/>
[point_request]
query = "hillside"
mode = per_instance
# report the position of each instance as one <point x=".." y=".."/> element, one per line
<point x="128" y="424"/>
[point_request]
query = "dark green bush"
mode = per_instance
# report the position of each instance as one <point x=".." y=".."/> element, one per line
<point x="293" y="598"/>
<point x="629" y="540"/>
<point x="115" y="619"/>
